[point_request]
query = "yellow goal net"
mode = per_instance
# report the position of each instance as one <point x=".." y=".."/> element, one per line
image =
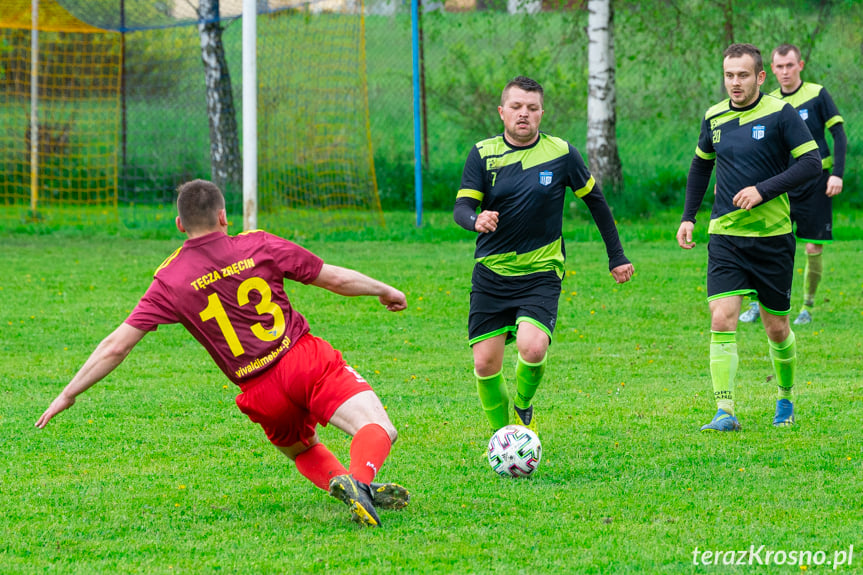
<point x="58" y="119"/>
<point x="118" y="102"/>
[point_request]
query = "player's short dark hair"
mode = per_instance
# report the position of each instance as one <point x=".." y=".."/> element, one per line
<point x="523" y="82"/>
<point x="198" y="205"/>
<point x="784" y="49"/>
<point x="740" y="50"/>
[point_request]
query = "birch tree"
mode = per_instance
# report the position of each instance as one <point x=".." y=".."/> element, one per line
<point x="225" y="165"/>
<point x="603" y="157"/>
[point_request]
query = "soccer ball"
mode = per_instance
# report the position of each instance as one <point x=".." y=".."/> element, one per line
<point x="514" y="451"/>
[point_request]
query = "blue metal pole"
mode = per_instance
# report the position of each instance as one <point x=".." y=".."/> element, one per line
<point x="418" y="174"/>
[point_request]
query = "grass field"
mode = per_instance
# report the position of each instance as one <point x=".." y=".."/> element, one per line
<point x="154" y="470"/>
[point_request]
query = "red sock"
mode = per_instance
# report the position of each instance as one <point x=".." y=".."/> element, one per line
<point x="369" y="449"/>
<point x="319" y="465"/>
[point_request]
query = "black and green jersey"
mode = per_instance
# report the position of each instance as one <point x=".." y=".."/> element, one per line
<point x="750" y="146"/>
<point x="527" y="187"/>
<point x="817" y="109"/>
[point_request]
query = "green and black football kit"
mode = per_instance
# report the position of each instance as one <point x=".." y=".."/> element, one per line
<point x="811" y="207"/>
<point x="751" y="251"/>
<point x="519" y="266"/>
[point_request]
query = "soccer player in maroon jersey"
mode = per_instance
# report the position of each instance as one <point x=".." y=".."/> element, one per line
<point x="228" y="292"/>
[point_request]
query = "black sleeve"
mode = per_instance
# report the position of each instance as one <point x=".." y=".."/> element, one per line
<point x="605" y="224"/>
<point x="805" y="168"/>
<point x="464" y="213"/>
<point x="840" y="146"/>
<point x="696" y="186"/>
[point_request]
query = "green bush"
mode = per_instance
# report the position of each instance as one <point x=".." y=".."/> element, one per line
<point x="668" y="73"/>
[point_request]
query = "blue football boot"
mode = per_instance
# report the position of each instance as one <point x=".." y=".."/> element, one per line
<point x="784" y="413"/>
<point x="722" y="422"/>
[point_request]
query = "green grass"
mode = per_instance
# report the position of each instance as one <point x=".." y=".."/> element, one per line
<point x="154" y="470"/>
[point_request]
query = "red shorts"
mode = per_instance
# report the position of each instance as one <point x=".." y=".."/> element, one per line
<point x="302" y="390"/>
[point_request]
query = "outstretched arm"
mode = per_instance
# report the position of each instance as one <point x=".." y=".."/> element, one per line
<point x="108" y="355"/>
<point x="347" y="282"/>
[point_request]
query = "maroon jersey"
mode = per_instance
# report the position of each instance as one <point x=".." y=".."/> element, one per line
<point x="228" y="292"/>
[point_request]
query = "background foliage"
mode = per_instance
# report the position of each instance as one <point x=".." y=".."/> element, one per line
<point x="669" y="72"/>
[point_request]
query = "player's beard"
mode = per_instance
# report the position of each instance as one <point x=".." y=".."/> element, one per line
<point x="748" y="97"/>
<point x="524" y="136"/>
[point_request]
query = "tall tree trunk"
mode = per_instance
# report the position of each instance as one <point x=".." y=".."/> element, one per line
<point x="225" y="165"/>
<point x="603" y="157"/>
<point x="728" y="25"/>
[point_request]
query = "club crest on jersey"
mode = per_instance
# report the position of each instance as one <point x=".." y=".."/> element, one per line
<point x="545" y="178"/>
<point x="758" y="132"/>
<point x="804" y="113"/>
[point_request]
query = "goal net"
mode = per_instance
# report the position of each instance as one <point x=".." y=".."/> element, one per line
<point x="121" y="112"/>
<point x="71" y="161"/>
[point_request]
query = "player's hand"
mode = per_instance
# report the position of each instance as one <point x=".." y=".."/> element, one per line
<point x="684" y="235"/>
<point x="394" y="300"/>
<point x="834" y="186"/>
<point x="486" y="222"/>
<point x="61" y="403"/>
<point x="747" y="198"/>
<point x="623" y="273"/>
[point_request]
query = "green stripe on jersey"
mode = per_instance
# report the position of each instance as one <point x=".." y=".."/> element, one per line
<point x="546" y="258"/>
<point x="833" y="121"/>
<point x="588" y="187"/>
<point x="704" y="155"/>
<point x="807" y="91"/>
<point x="498" y="154"/>
<point x="767" y="219"/>
<point x="803" y="148"/>
<point x="475" y="194"/>
<point x="768" y="106"/>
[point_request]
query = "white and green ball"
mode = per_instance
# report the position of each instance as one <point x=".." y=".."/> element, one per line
<point x="514" y="451"/>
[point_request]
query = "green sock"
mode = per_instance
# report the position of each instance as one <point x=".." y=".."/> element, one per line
<point x="784" y="356"/>
<point x="811" y="278"/>
<point x="527" y="378"/>
<point x="494" y="399"/>
<point x="723" y="368"/>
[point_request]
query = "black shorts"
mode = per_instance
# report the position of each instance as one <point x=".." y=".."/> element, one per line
<point x="499" y="303"/>
<point x="812" y="211"/>
<point x="745" y="266"/>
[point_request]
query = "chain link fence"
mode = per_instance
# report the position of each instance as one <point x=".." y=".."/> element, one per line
<point x="668" y="55"/>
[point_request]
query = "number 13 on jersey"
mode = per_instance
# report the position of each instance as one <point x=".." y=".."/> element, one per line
<point x="215" y="310"/>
